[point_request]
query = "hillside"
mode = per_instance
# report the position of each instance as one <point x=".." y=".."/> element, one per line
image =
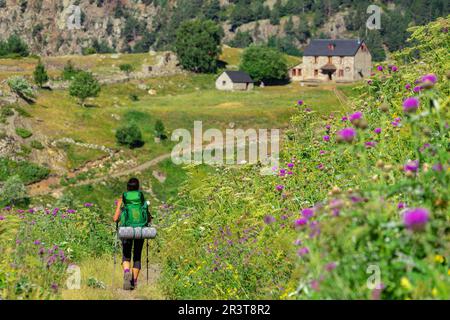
<point x="137" y="26"/>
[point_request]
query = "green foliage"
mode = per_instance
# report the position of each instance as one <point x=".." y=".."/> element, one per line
<point x="241" y="40"/>
<point x="84" y="86"/>
<point x="14" y="46"/>
<point x="23" y="133"/>
<point x="129" y="135"/>
<point x="264" y="64"/>
<point x="40" y="74"/>
<point x="247" y="239"/>
<point x="42" y="245"/>
<point x="160" y="130"/>
<point x="13" y="190"/>
<point x="27" y="171"/>
<point x="21" y="87"/>
<point x="126" y="68"/>
<point x="37" y="145"/>
<point x="69" y="71"/>
<point x="198" y="45"/>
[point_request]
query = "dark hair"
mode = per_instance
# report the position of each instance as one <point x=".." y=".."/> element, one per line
<point x="133" y="184"/>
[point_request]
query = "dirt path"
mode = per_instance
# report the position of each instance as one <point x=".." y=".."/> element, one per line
<point x="45" y="186"/>
<point x="341" y="97"/>
<point x="100" y="280"/>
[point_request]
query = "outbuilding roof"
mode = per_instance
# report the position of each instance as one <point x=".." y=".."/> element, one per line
<point x="333" y="47"/>
<point x="239" y="77"/>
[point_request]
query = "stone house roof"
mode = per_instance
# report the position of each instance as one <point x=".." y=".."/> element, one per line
<point x="333" y="47"/>
<point x="239" y="77"/>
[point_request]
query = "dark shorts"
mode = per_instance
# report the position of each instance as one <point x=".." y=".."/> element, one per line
<point x="133" y="245"/>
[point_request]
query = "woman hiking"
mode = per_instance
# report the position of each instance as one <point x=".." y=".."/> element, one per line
<point x="129" y="207"/>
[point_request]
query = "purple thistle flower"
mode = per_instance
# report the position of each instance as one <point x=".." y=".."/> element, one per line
<point x="54" y="287"/>
<point x="88" y="205"/>
<point x="18" y="241"/>
<point x="41" y="251"/>
<point x="326" y="138"/>
<point x="344" y="118"/>
<point x="416" y="219"/>
<point x="269" y="219"/>
<point x="8" y="208"/>
<point x="417" y="89"/>
<point x="346" y="134"/>
<point x="31" y="211"/>
<point x="370" y="144"/>
<point x="303" y="251"/>
<point x="369" y="81"/>
<point x="301" y="222"/>
<point x="37" y="242"/>
<point x="279" y="187"/>
<point x="438" y="167"/>
<point x="290" y="165"/>
<point x="308" y="213"/>
<point x="411" y="166"/>
<point x="298" y="242"/>
<point x="322" y="152"/>
<point x="430" y="78"/>
<point x="20" y="211"/>
<point x="408" y="86"/>
<point x="394" y="68"/>
<point x="320" y="166"/>
<point x="330" y="266"/>
<point x="411" y="104"/>
<point x="2" y="218"/>
<point x="377" y="130"/>
<point x="300" y="102"/>
<point x="71" y="211"/>
<point x="355" y="116"/>
<point x="380" y="68"/>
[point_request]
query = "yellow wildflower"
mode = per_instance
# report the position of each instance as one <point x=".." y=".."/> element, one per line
<point x="434" y="292"/>
<point x="439" y="259"/>
<point x="404" y="282"/>
<point x="448" y="272"/>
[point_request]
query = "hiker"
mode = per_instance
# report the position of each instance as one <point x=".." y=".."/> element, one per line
<point x="134" y="203"/>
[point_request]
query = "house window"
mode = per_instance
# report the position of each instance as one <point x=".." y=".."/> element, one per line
<point x="315" y="59"/>
<point x="316" y="72"/>
<point x="297" y="72"/>
<point x="341" y="73"/>
<point x="224" y="83"/>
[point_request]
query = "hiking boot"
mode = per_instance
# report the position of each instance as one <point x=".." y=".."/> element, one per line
<point x="133" y="284"/>
<point x="127" y="279"/>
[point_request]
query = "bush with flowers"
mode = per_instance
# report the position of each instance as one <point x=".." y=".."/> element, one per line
<point x="358" y="208"/>
<point x="38" y="246"/>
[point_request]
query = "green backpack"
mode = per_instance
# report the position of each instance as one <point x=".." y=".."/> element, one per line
<point x="135" y="211"/>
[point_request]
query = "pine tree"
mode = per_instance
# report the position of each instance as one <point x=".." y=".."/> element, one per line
<point x="40" y="74"/>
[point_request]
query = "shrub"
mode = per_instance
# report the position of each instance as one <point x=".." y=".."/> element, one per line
<point x="160" y="129"/>
<point x="40" y="74"/>
<point x="21" y="87"/>
<point x="129" y="135"/>
<point x="37" y="145"/>
<point x="13" y="190"/>
<point x="27" y="171"/>
<point x="84" y="86"/>
<point x="23" y="133"/>
<point x="69" y="71"/>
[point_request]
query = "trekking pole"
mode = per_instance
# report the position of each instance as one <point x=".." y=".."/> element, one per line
<point x="147" y="261"/>
<point x="115" y="253"/>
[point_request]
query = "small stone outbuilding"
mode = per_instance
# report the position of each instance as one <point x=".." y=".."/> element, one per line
<point x="234" y="80"/>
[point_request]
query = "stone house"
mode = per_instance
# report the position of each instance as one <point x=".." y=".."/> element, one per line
<point x="327" y="60"/>
<point x="234" y="80"/>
